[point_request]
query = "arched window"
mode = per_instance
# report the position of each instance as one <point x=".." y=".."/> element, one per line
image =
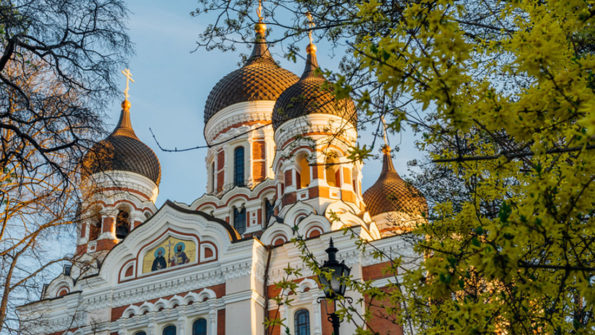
<point x="332" y="171"/>
<point x="199" y="327"/>
<point x="238" y="166"/>
<point x="95" y="226"/>
<point x="213" y="188"/>
<point x="269" y="210"/>
<point x="239" y="219"/>
<point x="142" y="332"/>
<point x="303" y="178"/>
<point x="122" y="224"/>
<point x="169" y="330"/>
<point x="302" y="322"/>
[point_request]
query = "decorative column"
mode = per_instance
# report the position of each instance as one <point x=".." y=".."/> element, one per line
<point x="316" y="317"/>
<point x="212" y="327"/>
<point x="152" y="328"/>
<point x="108" y="223"/>
<point x="136" y="218"/>
<point x="181" y="325"/>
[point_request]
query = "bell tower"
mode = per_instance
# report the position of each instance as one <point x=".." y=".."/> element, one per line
<point x="314" y="132"/>
<point x="121" y="184"/>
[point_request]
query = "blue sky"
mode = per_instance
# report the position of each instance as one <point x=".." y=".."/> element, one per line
<point x="172" y="84"/>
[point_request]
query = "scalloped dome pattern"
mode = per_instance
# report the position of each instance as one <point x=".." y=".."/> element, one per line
<point x="312" y="94"/>
<point x="390" y="193"/>
<point x="309" y="96"/>
<point x="123" y="151"/>
<point x="260" y="79"/>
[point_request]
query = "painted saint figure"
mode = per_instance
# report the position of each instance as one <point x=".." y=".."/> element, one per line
<point x="179" y="256"/>
<point x="159" y="261"/>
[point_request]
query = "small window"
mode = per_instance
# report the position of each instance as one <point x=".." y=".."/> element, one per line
<point x="169" y="330"/>
<point x="122" y="224"/>
<point x="269" y="211"/>
<point x="213" y="177"/>
<point x="95" y="227"/>
<point x="199" y="327"/>
<point x="332" y="171"/>
<point x="238" y="166"/>
<point x="302" y="322"/>
<point x="303" y="177"/>
<point x="239" y="219"/>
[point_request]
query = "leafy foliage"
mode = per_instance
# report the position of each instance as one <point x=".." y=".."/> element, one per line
<point x="503" y="94"/>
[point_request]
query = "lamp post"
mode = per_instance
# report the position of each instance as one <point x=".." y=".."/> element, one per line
<point x="335" y="287"/>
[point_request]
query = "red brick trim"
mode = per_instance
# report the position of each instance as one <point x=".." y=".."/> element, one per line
<point x="376" y="271"/>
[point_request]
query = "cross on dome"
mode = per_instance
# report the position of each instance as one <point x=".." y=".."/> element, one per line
<point x="386" y="145"/>
<point x="312" y="25"/>
<point x="259" y="11"/>
<point x="128" y="75"/>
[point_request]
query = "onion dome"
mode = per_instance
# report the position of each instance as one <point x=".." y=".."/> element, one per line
<point x="390" y="193"/>
<point x="259" y="79"/>
<point x="312" y="94"/>
<point x="123" y="151"/>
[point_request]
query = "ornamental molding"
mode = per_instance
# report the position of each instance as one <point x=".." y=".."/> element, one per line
<point x="123" y="180"/>
<point x="319" y="124"/>
<point x="241" y="112"/>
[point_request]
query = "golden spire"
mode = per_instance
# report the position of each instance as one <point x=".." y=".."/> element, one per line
<point x="311" y="61"/>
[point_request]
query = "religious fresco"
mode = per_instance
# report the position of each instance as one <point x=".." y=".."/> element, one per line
<point x="170" y="252"/>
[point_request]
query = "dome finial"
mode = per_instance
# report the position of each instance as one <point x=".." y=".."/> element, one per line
<point x="386" y="147"/>
<point x="311" y="61"/>
<point x="124" y="127"/>
<point x="261" y="49"/>
<point x="259" y="11"/>
<point x="260" y="27"/>
<point x="312" y="25"/>
<point x="128" y="75"/>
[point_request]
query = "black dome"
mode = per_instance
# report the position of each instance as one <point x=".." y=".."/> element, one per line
<point x="312" y="94"/>
<point x="123" y="151"/>
<point x="259" y="79"/>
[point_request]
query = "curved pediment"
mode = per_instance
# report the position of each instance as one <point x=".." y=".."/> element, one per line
<point x="174" y="238"/>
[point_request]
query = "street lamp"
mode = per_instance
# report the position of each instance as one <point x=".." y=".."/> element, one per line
<point x="335" y="287"/>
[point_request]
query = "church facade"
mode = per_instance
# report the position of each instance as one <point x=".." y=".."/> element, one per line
<point x="278" y="168"/>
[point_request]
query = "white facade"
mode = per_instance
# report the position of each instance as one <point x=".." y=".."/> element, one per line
<point x="230" y="246"/>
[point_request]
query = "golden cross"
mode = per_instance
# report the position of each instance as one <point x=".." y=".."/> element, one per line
<point x="384" y="128"/>
<point x="259" y="10"/>
<point x="312" y="25"/>
<point x="128" y="75"/>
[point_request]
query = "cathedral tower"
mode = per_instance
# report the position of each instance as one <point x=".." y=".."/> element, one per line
<point x="313" y="132"/>
<point x="120" y="188"/>
<point x="238" y="130"/>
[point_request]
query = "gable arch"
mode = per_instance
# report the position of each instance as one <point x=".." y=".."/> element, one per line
<point x="206" y="294"/>
<point x="313" y="221"/>
<point x="296" y="210"/>
<point x="191" y="298"/>
<point x="170" y="218"/>
<point x="131" y="311"/>
<point x="146" y="307"/>
<point x="160" y="305"/>
<point x="275" y="230"/>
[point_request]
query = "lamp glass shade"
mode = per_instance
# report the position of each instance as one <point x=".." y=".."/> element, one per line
<point x="336" y="286"/>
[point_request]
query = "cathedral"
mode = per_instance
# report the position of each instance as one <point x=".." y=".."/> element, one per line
<point x="278" y="168"/>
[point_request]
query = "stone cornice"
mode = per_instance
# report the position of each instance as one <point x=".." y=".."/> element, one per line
<point x="243" y="112"/>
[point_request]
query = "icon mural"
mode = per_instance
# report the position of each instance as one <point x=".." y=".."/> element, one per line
<point x="169" y="253"/>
